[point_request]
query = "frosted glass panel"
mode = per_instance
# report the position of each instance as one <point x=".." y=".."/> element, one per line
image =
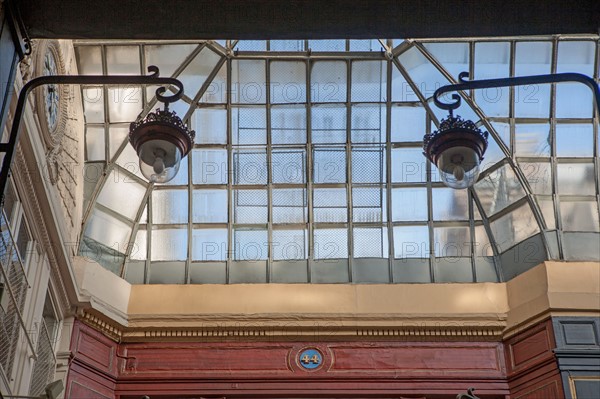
<point x="409" y="204"/>
<point x="492" y="60"/>
<point x="123" y="60"/>
<point x="248" y="125"/>
<point x="108" y="230"/>
<point x="498" y="190"/>
<point x="250" y="166"/>
<point x="167" y="57"/>
<point x="138" y="251"/>
<point x="411" y="242"/>
<point x="532" y="139"/>
<point x="481" y="242"/>
<point x="532" y="58"/>
<point x="250" y="244"/>
<point x="210" y="125"/>
<point x="369" y="204"/>
<point x="329" y="165"/>
<point x="288" y="165"/>
<point x="514" y="227"/>
<point x="369" y="81"/>
<point x="576" y="178"/>
<point x="250" y="206"/>
<point x="449" y="204"/>
<point x="454" y="57"/>
<point x="329" y="124"/>
<point x="370" y="242"/>
<point x="89" y="60"/>
<point x="579" y="215"/>
<point x="195" y="74"/>
<point x="408" y="165"/>
<point x="368" y="124"/>
<point x="169" y="206"/>
<point x="288" y="124"/>
<point x="249" y="81"/>
<point x="539" y="176"/>
<point x="210" y="206"/>
<point x="209" y="166"/>
<point x="288" y="82"/>
<point x="331" y="243"/>
<point x="289" y="205"/>
<point x="117" y="135"/>
<point x="124" y="103"/>
<point x="328" y="81"/>
<point x="452" y="241"/>
<point x="408" y="123"/>
<point x="93" y="104"/>
<point x="290" y="244"/>
<point x="118" y="187"/>
<point x="209" y="244"/>
<point x="94" y="141"/>
<point x="169" y="244"/>
<point x="330" y="205"/>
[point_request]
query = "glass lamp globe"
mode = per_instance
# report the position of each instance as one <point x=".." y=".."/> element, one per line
<point x="457" y="150"/>
<point x="161" y="140"/>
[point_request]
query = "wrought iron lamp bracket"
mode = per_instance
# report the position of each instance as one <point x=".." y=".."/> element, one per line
<point x="465" y="84"/>
<point x="153" y="79"/>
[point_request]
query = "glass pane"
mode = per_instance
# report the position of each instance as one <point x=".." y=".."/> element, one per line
<point x="329" y="165"/>
<point x="498" y="190"/>
<point x="327" y="45"/>
<point x="369" y="204"/>
<point x="89" y="60"/>
<point x="117" y="135"/>
<point x="250" y="166"/>
<point x="288" y="125"/>
<point x="576" y="178"/>
<point x="481" y="242"/>
<point x="368" y="124"/>
<point x="579" y="215"/>
<point x="449" y="204"/>
<point x="286" y="45"/>
<point x="288" y="165"/>
<point x="408" y="123"/>
<point x="368" y="164"/>
<point x="209" y="166"/>
<point x="167" y="273"/>
<point x="250" y="244"/>
<point x="575" y="100"/>
<point x="210" y="125"/>
<point x="425" y="76"/>
<point x="216" y="92"/>
<point x="248" y="125"/>
<point x="574" y="140"/>
<point x="330" y="205"/>
<point x="289" y="205"/>
<point x="452" y="241"/>
<point x="328" y="124"/>
<point x="331" y="243"/>
<point x="532" y="58"/>
<point x="539" y="176"/>
<point x="209" y="244"/>
<point x="365" y="45"/>
<point x="124" y="103"/>
<point x="408" y="165"/>
<point x="251" y="45"/>
<point x="108" y="230"/>
<point x="93" y="104"/>
<point x="288" y="82"/>
<point x="168" y="57"/>
<point x="250" y="206"/>
<point x="210" y="206"/>
<point x="328" y="81"/>
<point x="532" y="140"/>
<point x="139" y="249"/>
<point x="197" y="71"/>
<point x="118" y="187"/>
<point x="248" y="80"/>
<point x="576" y="56"/>
<point x="94" y="140"/>
<point x="123" y="60"/>
<point x="454" y="57"/>
<point x="411" y="242"/>
<point x="370" y="242"/>
<point x="369" y="81"/>
<point x="514" y="227"/>
<point x="290" y="244"/>
<point x="169" y="244"/>
<point x="409" y="204"/>
<point x="547" y="207"/>
<point x="169" y="206"/>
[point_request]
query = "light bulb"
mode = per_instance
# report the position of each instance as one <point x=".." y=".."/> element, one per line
<point x="159" y="165"/>
<point x="459" y="173"/>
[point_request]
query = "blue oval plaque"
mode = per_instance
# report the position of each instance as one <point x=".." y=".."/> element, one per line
<point x="310" y="359"/>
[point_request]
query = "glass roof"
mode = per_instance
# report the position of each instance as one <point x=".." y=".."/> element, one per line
<point x="308" y="165"/>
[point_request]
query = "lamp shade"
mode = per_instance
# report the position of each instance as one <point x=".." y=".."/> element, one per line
<point x="457" y="150"/>
<point x="160" y="140"/>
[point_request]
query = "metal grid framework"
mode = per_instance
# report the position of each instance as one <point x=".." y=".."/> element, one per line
<point x="308" y="156"/>
<point x="45" y="364"/>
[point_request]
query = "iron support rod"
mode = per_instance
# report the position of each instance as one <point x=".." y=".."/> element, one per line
<point x="153" y="78"/>
<point x="465" y="84"/>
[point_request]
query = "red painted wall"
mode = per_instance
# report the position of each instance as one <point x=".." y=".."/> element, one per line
<point x="523" y="367"/>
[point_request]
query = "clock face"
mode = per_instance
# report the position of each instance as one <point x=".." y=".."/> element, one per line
<point x="51" y="92"/>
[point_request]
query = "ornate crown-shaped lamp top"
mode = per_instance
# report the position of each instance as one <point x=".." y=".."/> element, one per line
<point x="454" y="131"/>
<point x="162" y="117"/>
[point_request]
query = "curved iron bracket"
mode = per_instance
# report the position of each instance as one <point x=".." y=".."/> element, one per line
<point x="465" y="84"/>
<point x="468" y="395"/>
<point x="153" y="78"/>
